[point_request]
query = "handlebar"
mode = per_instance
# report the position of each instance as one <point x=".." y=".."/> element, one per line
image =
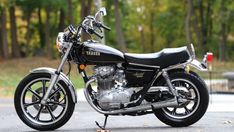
<point x="98" y="34"/>
<point x="105" y="27"/>
<point x="89" y="25"/>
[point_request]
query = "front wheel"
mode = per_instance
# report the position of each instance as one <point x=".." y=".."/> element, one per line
<point x="54" y="114"/>
<point x="192" y="89"/>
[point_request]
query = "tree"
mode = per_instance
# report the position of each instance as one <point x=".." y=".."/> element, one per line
<point x="14" y="43"/>
<point x="47" y="32"/>
<point x="118" y="28"/>
<point x="4" y="44"/>
<point x="187" y="22"/>
<point x="85" y="11"/>
<point x="223" y="30"/>
<point x="70" y="10"/>
<point x="41" y="28"/>
<point x="204" y="8"/>
<point x="61" y="25"/>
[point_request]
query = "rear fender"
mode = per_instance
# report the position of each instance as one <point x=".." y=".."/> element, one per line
<point x="201" y="66"/>
<point x="62" y="77"/>
<point x="160" y="77"/>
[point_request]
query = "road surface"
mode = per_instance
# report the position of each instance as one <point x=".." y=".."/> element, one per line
<point x="219" y="117"/>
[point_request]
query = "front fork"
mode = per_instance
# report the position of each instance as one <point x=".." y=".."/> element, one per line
<point x="56" y="75"/>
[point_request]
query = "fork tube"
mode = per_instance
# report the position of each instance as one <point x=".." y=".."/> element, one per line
<point x="54" y="78"/>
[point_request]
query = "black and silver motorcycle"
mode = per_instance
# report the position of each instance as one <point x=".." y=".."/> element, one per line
<point x="157" y="83"/>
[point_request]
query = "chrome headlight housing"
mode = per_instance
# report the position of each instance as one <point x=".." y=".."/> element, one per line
<point x="60" y="42"/>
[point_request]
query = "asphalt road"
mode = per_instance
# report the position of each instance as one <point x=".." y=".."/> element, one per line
<point x="219" y="117"/>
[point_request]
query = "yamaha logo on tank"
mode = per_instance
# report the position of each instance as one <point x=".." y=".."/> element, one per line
<point x="93" y="53"/>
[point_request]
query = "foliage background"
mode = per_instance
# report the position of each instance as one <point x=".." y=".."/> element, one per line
<point x="147" y="26"/>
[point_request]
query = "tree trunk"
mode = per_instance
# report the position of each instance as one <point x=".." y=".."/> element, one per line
<point x="1" y="50"/>
<point x="98" y="4"/>
<point x="28" y="33"/>
<point x="202" y="26"/>
<point x="85" y="11"/>
<point x="187" y="22"/>
<point x="205" y="21"/>
<point x="14" y="43"/>
<point x="4" y="45"/>
<point x="120" y="35"/>
<point x="196" y="27"/>
<point x="223" y="33"/>
<point x="152" y="36"/>
<point x="47" y="33"/>
<point x="61" y="25"/>
<point x="222" y="43"/>
<point x="70" y="9"/>
<point x="41" y="29"/>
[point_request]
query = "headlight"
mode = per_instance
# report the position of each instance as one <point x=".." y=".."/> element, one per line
<point x="60" y="42"/>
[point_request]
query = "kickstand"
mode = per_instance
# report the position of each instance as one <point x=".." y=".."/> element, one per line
<point x="104" y="125"/>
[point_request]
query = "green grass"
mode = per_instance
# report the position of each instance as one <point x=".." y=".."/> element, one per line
<point x="12" y="71"/>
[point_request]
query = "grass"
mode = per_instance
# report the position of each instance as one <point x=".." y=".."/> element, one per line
<point x="14" y="70"/>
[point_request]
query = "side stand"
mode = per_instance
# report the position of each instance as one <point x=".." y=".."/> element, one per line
<point x="104" y="125"/>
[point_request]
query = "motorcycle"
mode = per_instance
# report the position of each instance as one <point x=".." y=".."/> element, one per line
<point x="159" y="83"/>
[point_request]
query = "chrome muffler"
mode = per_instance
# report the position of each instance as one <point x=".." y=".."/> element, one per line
<point x="167" y="103"/>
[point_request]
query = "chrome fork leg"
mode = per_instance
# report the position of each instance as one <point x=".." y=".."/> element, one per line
<point x="55" y="77"/>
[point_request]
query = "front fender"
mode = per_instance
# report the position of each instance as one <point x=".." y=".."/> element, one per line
<point x="62" y="77"/>
<point x="198" y="65"/>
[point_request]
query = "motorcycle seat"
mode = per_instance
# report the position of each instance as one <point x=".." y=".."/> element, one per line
<point x="161" y="59"/>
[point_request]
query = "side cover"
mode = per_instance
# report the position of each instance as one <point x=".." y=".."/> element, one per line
<point x="62" y="77"/>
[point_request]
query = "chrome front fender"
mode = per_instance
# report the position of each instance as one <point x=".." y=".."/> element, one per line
<point x="198" y="65"/>
<point x="62" y="77"/>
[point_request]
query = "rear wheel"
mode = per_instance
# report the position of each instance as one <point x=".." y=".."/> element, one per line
<point x="54" y="114"/>
<point x="193" y="91"/>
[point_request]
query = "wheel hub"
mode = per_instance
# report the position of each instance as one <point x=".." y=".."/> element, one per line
<point x="44" y="110"/>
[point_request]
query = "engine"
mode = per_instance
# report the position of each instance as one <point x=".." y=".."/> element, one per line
<point x="111" y="84"/>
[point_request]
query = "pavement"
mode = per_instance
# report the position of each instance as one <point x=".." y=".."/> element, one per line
<point x="219" y="117"/>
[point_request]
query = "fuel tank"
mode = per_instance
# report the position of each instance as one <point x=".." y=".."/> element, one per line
<point x="96" y="53"/>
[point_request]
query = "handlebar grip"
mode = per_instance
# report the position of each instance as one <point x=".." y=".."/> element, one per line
<point x="105" y="27"/>
<point x="98" y="34"/>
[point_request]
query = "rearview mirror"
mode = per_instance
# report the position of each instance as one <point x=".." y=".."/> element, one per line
<point x="103" y="11"/>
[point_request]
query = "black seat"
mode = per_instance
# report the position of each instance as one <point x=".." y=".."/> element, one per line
<point x="161" y="59"/>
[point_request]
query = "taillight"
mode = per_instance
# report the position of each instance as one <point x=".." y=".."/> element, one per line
<point x="209" y="56"/>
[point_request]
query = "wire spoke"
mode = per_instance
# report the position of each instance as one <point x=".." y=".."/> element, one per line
<point x="34" y="93"/>
<point x="51" y="113"/>
<point x="30" y="104"/>
<point x="39" y="112"/>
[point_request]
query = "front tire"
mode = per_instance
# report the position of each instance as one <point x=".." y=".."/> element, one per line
<point x="51" y="116"/>
<point x="174" y="116"/>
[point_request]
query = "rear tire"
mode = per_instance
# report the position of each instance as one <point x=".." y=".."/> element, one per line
<point x="195" y="115"/>
<point x="28" y="118"/>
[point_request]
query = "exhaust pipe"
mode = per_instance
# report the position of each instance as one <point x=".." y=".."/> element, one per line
<point x="167" y="103"/>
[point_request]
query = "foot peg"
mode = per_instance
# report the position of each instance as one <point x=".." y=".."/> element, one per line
<point x="104" y="125"/>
